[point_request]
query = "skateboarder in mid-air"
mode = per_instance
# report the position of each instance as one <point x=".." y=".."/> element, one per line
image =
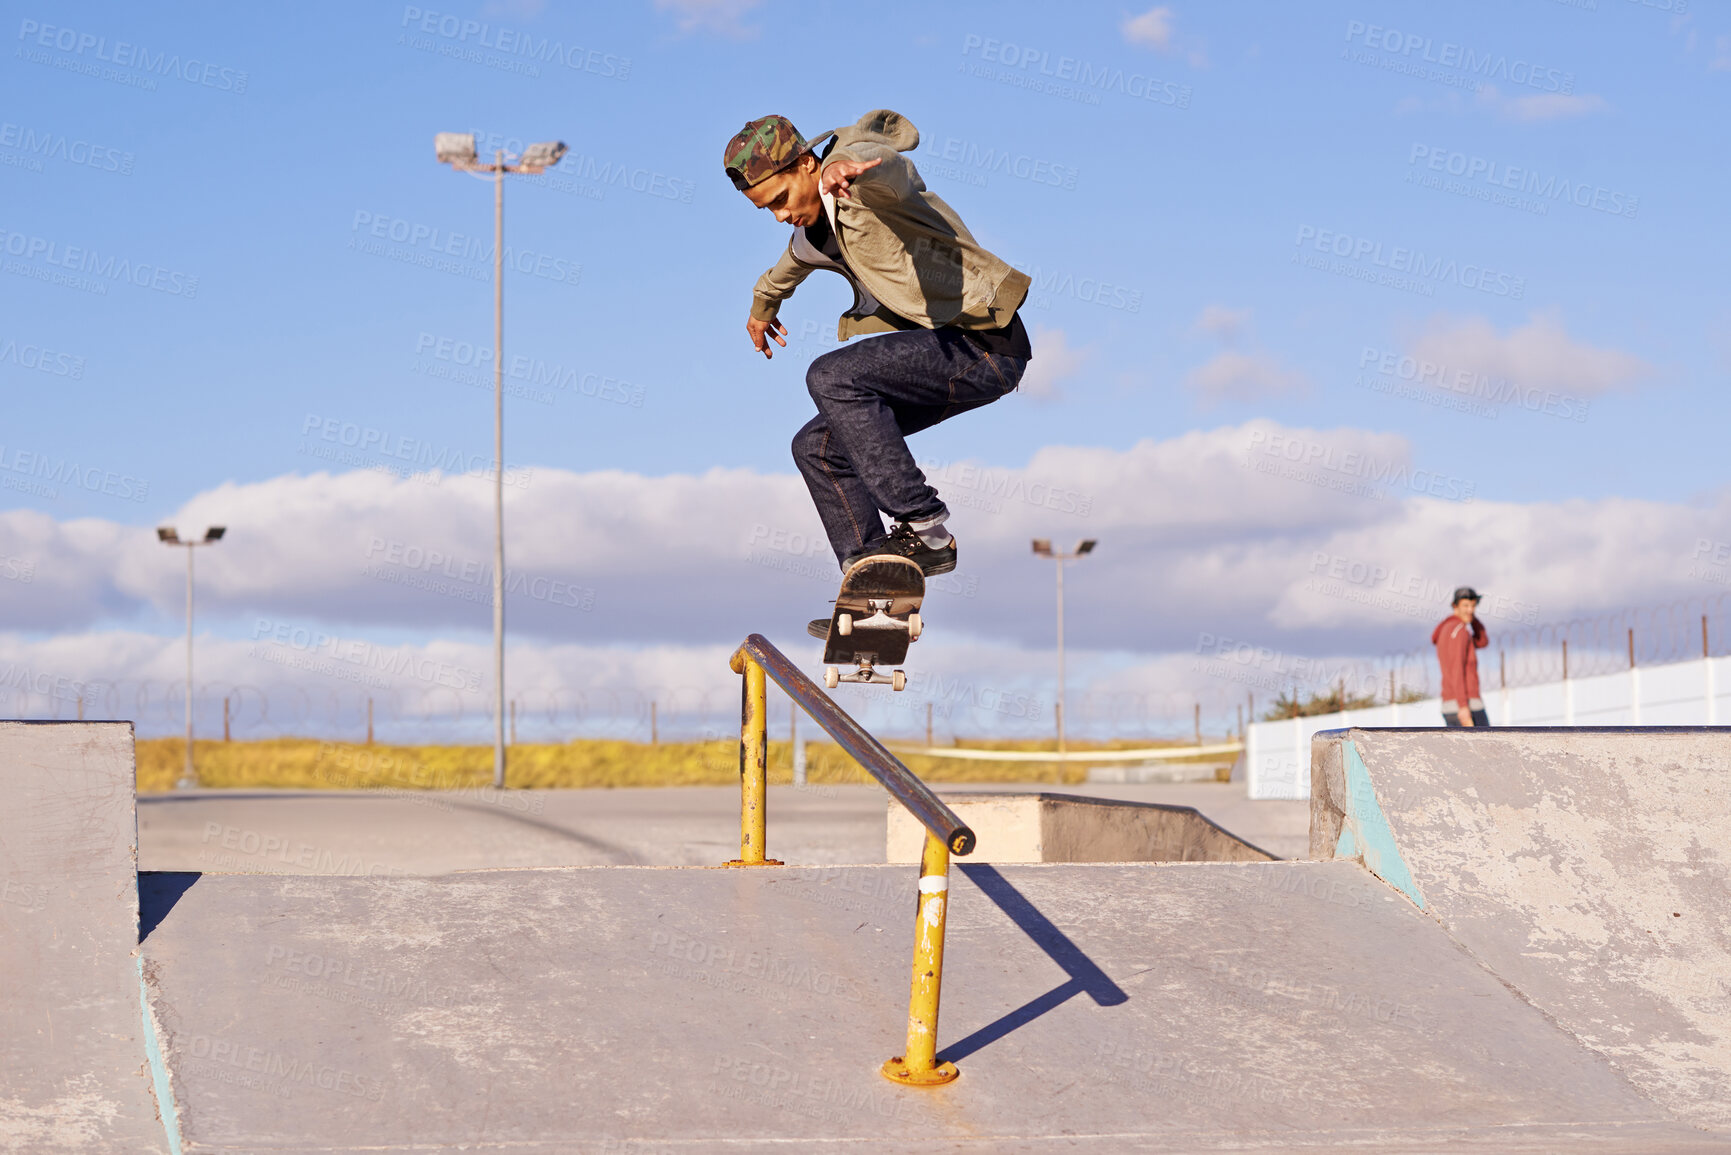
<point x="946" y="308"/>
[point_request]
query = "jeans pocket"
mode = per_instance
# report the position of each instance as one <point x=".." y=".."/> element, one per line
<point x="987" y="379"/>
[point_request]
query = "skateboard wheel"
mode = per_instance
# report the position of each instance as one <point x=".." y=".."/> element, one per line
<point x="914" y="627"/>
<point x="898" y="681"/>
<point x="844" y="624"/>
<point x="831" y="677"/>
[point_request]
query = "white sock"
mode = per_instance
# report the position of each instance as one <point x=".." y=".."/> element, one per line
<point x="935" y="536"/>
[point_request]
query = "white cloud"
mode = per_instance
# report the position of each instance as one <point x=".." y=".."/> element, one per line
<point x="1234" y="376"/>
<point x="1540" y="106"/>
<point x="1539" y="354"/>
<point x="1237" y="531"/>
<point x="1219" y="321"/>
<point x="1156" y="29"/>
<point x="1054" y="361"/>
<point x="1153" y="29"/>
<point x="722" y="17"/>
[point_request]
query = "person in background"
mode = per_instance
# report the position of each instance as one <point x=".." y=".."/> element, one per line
<point x="1458" y="639"/>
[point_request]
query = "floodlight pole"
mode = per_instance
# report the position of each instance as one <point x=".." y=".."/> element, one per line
<point x="499" y="469"/>
<point x="461" y="156"/>
<point x="1043" y="548"/>
<point x="1060" y="560"/>
<point x="188" y="775"/>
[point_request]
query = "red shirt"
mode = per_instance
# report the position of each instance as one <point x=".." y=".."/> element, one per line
<point x="1457" y="649"/>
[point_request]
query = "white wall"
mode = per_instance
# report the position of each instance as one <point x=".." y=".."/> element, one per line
<point x="1277" y="754"/>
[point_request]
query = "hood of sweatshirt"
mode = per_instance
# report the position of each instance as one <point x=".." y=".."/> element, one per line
<point x="879" y="126"/>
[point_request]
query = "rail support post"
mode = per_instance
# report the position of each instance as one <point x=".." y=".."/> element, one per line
<point x="753" y="766"/>
<point x="918" y="1066"/>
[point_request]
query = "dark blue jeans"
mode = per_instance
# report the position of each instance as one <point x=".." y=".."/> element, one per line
<point x="870" y="396"/>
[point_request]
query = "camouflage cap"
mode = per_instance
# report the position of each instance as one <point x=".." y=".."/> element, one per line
<point x="761" y="149"/>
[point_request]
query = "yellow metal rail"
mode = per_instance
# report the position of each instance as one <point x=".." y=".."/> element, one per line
<point x="757" y="661"/>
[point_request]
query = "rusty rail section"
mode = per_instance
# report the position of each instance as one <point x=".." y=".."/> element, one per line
<point x="757" y="654"/>
<point x="756" y="661"/>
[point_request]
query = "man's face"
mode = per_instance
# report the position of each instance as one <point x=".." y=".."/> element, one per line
<point x="1464" y="609"/>
<point x="790" y="194"/>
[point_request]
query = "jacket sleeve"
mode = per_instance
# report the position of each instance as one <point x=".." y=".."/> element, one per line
<point x="777" y="285"/>
<point x="891" y="181"/>
<point x="1481" y="637"/>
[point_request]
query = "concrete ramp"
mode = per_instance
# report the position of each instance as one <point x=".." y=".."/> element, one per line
<point x="1023" y="827"/>
<point x="75" y="1062"/>
<point x="1589" y="868"/>
<point x="1148" y="1007"/>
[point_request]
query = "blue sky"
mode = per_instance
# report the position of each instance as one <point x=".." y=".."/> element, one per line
<point x="1279" y="138"/>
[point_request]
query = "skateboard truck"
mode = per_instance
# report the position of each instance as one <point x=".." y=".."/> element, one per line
<point x="865" y="674"/>
<point x="880" y="619"/>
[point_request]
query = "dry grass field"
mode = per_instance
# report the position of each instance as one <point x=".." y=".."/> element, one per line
<point x="311" y="764"/>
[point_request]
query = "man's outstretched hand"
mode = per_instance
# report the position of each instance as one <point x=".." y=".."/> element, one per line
<point x="761" y="331"/>
<point x="835" y="178"/>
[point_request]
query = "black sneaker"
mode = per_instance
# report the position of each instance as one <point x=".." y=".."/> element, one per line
<point x="818" y="628"/>
<point x="904" y="542"/>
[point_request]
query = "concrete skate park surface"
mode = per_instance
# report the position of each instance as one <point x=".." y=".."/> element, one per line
<point x="1397" y="1004"/>
<point x="429" y="832"/>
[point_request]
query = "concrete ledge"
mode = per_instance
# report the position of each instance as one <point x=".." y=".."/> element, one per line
<point x="75" y="1060"/>
<point x="1073" y="828"/>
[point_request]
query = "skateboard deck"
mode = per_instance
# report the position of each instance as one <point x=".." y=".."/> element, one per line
<point x="876" y="617"/>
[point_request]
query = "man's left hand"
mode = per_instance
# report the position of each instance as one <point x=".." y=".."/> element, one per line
<point x="835" y="178"/>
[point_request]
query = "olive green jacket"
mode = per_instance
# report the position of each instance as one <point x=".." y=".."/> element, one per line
<point x="905" y="246"/>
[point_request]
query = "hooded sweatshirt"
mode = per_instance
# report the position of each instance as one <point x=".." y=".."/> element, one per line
<point x="1457" y="647"/>
<point x="910" y="255"/>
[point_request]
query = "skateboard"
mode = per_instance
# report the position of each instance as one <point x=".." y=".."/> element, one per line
<point x="876" y="617"/>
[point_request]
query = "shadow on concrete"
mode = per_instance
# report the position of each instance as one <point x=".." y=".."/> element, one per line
<point x="1086" y="977"/>
<point x="158" y="891"/>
